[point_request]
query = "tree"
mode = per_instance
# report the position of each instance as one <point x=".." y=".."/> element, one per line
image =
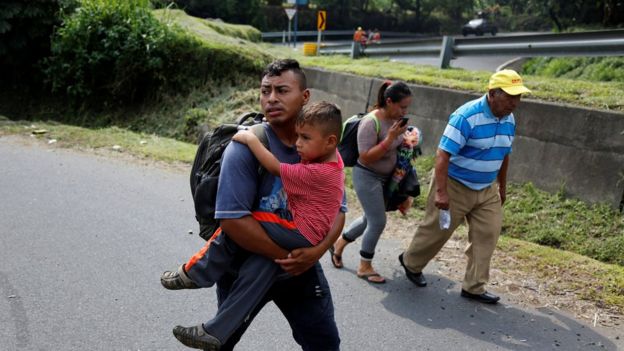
<point x="613" y="12"/>
<point x="234" y="11"/>
<point x="455" y="9"/>
<point x="411" y="5"/>
<point x="25" y="30"/>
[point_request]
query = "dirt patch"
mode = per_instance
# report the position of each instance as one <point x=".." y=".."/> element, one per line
<point x="519" y="286"/>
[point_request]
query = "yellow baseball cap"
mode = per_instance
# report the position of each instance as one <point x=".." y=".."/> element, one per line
<point x="508" y="80"/>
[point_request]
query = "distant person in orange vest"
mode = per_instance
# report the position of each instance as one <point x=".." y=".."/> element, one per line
<point x="361" y="38"/>
<point x="359" y="34"/>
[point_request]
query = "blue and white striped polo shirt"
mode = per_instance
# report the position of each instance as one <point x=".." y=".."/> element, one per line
<point x="478" y="142"/>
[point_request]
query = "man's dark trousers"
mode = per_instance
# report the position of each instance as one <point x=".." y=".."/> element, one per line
<point x="304" y="300"/>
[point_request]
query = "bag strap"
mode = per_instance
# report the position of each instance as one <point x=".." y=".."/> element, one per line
<point x="255" y="116"/>
<point x="359" y="116"/>
<point x="377" y="125"/>
<point x="260" y="132"/>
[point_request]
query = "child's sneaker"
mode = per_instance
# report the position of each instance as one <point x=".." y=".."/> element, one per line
<point x="196" y="337"/>
<point x="177" y="280"/>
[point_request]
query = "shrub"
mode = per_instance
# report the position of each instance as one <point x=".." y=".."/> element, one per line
<point x="110" y="52"/>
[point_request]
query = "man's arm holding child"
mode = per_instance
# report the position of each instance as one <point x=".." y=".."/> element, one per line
<point x="264" y="156"/>
<point x="300" y="260"/>
<point x="250" y="235"/>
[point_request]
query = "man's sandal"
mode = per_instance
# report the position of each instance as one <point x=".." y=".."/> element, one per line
<point x="368" y="276"/>
<point x="336" y="260"/>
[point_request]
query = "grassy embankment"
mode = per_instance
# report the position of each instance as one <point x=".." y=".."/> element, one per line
<point x="600" y="95"/>
<point x="525" y="211"/>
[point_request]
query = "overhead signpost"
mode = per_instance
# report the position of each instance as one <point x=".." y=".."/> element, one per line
<point x="321" y="24"/>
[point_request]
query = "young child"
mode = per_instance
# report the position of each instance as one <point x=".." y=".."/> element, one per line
<point x="314" y="189"/>
<point x="406" y="153"/>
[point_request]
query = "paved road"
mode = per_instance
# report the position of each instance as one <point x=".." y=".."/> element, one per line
<point x="85" y="238"/>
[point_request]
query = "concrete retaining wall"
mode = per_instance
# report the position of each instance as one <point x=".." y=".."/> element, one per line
<point x="557" y="147"/>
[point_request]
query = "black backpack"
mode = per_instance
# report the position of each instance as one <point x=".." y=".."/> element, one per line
<point x="348" y="147"/>
<point x="207" y="166"/>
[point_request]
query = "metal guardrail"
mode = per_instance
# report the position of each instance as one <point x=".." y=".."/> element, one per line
<point x="595" y="43"/>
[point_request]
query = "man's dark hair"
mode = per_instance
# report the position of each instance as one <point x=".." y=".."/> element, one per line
<point x="323" y="115"/>
<point x="277" y="67"/>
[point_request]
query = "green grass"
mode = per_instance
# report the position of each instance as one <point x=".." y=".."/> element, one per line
<point x="174" y="116"/>
<point x="596" y="231"/>
<point x="596" y="69"/>
<point x="183" y="117"/>
<point x="142" y="145"/>
<point x="240" y="38"/>
<point x="209" y="28"/>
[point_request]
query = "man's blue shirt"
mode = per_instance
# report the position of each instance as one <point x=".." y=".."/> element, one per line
<point x="478" y="142"/>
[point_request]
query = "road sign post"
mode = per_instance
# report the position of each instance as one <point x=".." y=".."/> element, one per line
<point x="321" y="24"/>
<point x="296" y="17"/>
<point x="290" y="13"/>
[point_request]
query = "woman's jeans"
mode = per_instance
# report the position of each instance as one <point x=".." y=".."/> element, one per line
<point x="369" y="187"/>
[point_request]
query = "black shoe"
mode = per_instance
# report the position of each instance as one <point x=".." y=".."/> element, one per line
<point x="416" y="278"/>
<point x="177" y="280"/>
<point x="197" y="338"/>
<point x="486" y="297"/>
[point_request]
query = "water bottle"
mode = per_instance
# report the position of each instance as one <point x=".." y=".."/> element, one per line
<point x="445" y="219"/>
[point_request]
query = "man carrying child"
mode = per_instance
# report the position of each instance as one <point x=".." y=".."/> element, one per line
<point x="248" y="204"/>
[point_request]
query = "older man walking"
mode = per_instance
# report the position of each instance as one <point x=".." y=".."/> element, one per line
<point x="473" y="153"/>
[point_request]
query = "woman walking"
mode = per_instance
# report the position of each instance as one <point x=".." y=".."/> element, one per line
<point x="379" y="135"/>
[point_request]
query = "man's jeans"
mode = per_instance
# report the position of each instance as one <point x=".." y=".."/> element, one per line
<point x="305" y="301"/>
